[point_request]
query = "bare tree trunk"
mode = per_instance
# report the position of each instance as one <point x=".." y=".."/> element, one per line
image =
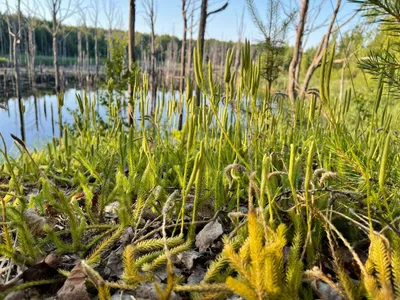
<point x="298" y="67"/>
<point x="17" y="38"/>
<point x="32" y="54"/>
<point x="87" y="65"/>
<point x="131" y="50"/>
<point x="342" y="81"/>
<point x="183" y="61"/>
<point x="96" y="54"/>
<point x="297" y="48"/>
<point x="320" y="52"/>
<point x="239" y="42"/>
<point x="79" y="63"/>
<point x="55" y="54"/>
<point x="150" y="12"/>
<point x="10" y="51"/>
<point x="204" y="14"/>
<point x="153" y="69"/>
<point x="190" y="44"/>
<point x="202" y="32"/>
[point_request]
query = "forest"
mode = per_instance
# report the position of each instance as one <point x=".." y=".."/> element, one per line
<point x="194" y="168"/>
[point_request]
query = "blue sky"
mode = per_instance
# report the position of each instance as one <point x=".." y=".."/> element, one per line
<point x="222" y="26"/>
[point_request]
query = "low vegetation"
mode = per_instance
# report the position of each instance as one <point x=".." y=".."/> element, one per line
<point x="259" y="197"/>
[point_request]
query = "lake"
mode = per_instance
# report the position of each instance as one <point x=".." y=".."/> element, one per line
<point x="40" y="119"/>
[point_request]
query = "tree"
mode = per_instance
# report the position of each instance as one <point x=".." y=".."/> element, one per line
<point x="323" y="45"/>
<point x="131" y="40"/>
<point x="274" y="32"/>
<point x="131" y="51"/>
<point x="31" y="23"/>
<point x="111" y="10"/>
<point x="58" y="15"/>
<point x="150" y="17"/>
<point x="204" y="14"/>
<point x="14" y="31"/>
<point x="383" y="63"/>
<point x="94" y="15"/>
<point x="185" y="6"/>
<point x="297" y="49"/>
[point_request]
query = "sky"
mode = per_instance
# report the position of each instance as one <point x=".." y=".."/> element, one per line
<point x="222" y="26"/>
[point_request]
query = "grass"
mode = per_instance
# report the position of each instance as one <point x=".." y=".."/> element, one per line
<point x="317" y="177"/>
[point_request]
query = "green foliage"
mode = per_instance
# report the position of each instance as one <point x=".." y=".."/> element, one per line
<point x="309" y="181"/>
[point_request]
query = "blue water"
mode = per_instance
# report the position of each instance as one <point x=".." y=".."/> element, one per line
<point x="37" y="118"/>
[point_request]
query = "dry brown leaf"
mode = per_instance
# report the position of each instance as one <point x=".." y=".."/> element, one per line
<point x="208" y="235"/>
<point x="35" y="222"/>
<point x="74" y="287"/>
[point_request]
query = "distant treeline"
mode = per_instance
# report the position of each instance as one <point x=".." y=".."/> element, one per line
<point x="167" y="46"/>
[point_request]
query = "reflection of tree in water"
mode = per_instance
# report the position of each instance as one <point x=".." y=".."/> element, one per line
<point x="21" y="110"/>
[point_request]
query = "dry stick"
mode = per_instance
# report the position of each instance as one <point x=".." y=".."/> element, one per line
<point x="172" y="226"/>
<point x="345" y="242"/>
<point x="352" y="197"/>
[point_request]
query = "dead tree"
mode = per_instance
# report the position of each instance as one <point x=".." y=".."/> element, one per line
<point x="131" y="41"/>
<point x="14" y="31"/>
<point x="204" y="14"/>
<point x="111" y="10"/>
<point x="190" y="55"/>
<point x="323" y="45"/>
<point x="150" y="17"/>
<point x="185" y="5"/>
<point x="240" y="31"/>
<point x="80" y="57"/>
<point x="59" y="13"/>
<point x="95" y="11"/>
<point x="31" y="23"/>
<point x="297" y="49"/>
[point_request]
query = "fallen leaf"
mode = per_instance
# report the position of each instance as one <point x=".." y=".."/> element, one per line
<point x="188" y="258"/>
<point x="127" y="236"/>
<point x="325" y="291"/>
<point x="208" y="235"/>
<point x="112" y="207"/>
<point x="45" y="269"/>
<point x="35" y="222"/>
<point x="197" y="276"/>
<point x="74" y="287"/>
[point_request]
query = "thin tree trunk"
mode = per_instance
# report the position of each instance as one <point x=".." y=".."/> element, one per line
<point x="55" y="57"/>
<point x="10" y="51"/>
<point x="204" y="14"/>
<point x="153" y="69"/>
<point x="96" y="54"/>
<point x="320" y="52"/>
<point x="183" y="62"/>
<point x="79" y="63"/>
<point x="87" y="53"/>
<point x="342" y="81"/>
<point x="297" y="48"/>
<point x="190" y="55"/>
<point x="202" y="32"/>
<point x="17" y="37"/>
<point x="32" y="54"/>
<point x="131" y="54"/>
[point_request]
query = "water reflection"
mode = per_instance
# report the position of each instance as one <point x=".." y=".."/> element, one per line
<point x="36" y="119"/>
